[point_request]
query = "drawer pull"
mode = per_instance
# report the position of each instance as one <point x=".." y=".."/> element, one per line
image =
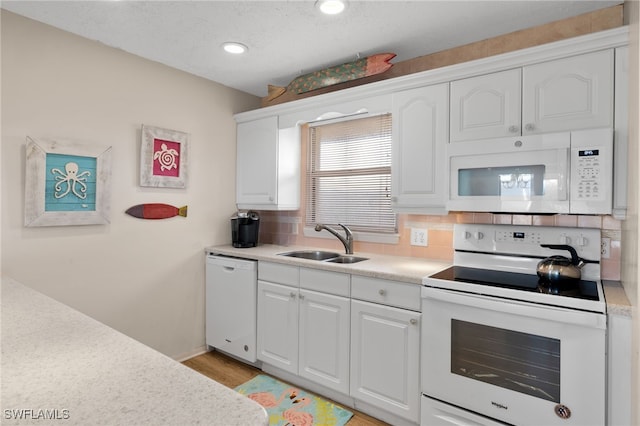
<point x="413" y="321"/>
<point x="293" y="295"/>
<point x="382" y="292"/>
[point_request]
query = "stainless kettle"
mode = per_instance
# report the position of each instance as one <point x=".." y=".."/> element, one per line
<point x="558" y="269"/>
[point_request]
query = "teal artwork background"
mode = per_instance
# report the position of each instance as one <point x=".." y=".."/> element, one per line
<point x="70" y="202"/>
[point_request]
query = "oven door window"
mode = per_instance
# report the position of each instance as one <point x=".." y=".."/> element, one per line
<point x="512" y="360"/>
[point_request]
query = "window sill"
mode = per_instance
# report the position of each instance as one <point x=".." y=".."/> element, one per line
<point x="368" y="237"/>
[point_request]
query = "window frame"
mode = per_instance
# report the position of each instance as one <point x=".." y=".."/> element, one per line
<point x="314" y="171"/>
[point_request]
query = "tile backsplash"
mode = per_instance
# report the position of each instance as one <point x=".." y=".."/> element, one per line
<point x="286" y="228"/>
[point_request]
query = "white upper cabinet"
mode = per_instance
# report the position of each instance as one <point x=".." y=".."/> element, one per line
<point x="566" y="94"/>
<point x="420" y="136"/>
<point x="268" y="166"/>
<point x="486" y="106"/>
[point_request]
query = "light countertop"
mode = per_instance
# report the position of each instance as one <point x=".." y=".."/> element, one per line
<point x="617" y="301"/>
<point x="62" y="367"/>
<point x="406" y="269"/>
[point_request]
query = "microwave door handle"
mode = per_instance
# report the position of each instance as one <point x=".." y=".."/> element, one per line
<point x="563" y="191"/>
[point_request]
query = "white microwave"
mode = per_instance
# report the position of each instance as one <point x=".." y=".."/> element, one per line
<point x="569" y="172"/>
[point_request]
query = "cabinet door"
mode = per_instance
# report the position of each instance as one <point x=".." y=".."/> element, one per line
<point x="324" y="339"/>
<point x="487" y="106"/>
<point x="278" y="325"/>
<point x="385" y="356"/>
<point x="257" y="165"/>
<point x="568" y="94"/>
<point x="420" y="136"/>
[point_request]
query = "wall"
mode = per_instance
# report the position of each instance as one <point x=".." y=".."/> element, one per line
<point x="286" y="228"/>
<point x="631" y="231"/>
<point x="145" y="278"/>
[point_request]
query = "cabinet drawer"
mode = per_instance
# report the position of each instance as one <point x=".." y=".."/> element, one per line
<point x="278" y="273"/>
<point x="386" y="292"/>
<point x="325" y="281"/>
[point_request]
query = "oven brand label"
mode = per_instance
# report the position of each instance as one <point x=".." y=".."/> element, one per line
<point x="498" y="405"/>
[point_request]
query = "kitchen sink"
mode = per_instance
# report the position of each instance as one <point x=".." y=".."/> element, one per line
<point x="325" y="256"/>
<point x="311" y="254"/>
<point x="346" y="259"/>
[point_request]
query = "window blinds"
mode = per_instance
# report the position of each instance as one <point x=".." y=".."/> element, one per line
<point x="349" y="175"/>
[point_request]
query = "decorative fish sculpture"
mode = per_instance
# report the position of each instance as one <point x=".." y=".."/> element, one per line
<point x="156" y="211"/>
<point x="359" y="68"/>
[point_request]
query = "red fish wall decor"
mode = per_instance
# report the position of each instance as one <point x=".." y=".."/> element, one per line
<point x="360" y="68"/>
<point x="156" y="211"/>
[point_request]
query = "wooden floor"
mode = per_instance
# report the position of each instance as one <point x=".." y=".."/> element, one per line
<point x="232" y="373"/>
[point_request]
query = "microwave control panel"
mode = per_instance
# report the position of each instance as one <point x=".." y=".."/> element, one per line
<point x="591" y="171"/>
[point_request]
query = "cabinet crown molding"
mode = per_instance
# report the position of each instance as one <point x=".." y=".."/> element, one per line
<point x="608" y="39"/>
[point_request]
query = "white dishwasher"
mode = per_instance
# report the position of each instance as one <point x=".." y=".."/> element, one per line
<point x="231" y="293"/>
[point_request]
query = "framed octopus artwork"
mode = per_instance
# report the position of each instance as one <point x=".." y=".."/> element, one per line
<point x="66" y="183"/>
<point x="164" y="158"/>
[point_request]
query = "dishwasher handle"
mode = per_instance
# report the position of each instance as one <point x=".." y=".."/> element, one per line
<point x="230" y="264"/>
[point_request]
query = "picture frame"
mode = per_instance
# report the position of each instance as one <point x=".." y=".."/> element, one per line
<point x="66" y="183"/>
<point x="164" y="158"/>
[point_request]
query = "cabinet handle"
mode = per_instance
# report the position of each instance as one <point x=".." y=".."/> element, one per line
<point x="529" y="127"/>
<point x="514" y="129"/>
<point x="301" y="297"/>
<point x="413" y="321"/>
<point x="382" y="292"/>
<point x="293" y="295"/>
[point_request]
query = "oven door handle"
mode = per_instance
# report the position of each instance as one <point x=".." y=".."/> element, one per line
<point x="514" y="307"/>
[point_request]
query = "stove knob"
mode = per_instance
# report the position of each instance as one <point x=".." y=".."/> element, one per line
<point x="582" y="241"/>
<point x="564" y="239"/>
<point x="478" y="235"/>
<point x="467" y="235"/>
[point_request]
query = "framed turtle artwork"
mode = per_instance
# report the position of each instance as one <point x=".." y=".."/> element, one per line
<point x="66" y="183"/>
<point x="164" y="158"/>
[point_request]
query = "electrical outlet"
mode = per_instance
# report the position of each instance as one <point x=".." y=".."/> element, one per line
<point x="419" y="237"/>
<point x="605" y="247"/>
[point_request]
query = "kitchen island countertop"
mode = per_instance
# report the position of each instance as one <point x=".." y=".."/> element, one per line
<point x="60" y="366"/>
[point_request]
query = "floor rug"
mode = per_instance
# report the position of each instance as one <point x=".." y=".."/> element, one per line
<point x="288" y="405"/>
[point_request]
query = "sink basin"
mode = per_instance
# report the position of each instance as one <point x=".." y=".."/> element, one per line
<point x="346" y="259"/>
<point x="311" y="254"/>
<point x="324" y="256"/>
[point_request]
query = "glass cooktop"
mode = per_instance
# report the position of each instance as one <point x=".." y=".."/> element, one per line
<point x="580" y="289"/>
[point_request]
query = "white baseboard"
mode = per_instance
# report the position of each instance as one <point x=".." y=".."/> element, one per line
<point x="187" y="355"/>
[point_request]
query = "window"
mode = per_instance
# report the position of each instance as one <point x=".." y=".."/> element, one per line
<point x="349" y="175"/>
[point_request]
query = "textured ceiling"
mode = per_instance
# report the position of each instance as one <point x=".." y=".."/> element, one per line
<point x="289" y="38"/>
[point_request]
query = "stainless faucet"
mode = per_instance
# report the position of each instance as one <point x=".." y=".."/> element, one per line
<point x="347" y="242"/>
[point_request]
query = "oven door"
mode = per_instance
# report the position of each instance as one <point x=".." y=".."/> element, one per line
<point x="524" y="174"/>
<point x="516" y="362"/>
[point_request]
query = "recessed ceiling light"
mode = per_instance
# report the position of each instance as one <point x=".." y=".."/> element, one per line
<point x="234" y="47"/>
<point x="331" y="7"/>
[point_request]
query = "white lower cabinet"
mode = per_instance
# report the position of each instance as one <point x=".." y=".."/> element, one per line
<point x="385" y="357"/>
<point x="304" y="331"/>
<point x="278" y="325"/>
<point x="323" y="347"/>
<point x="359" y="336"/>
